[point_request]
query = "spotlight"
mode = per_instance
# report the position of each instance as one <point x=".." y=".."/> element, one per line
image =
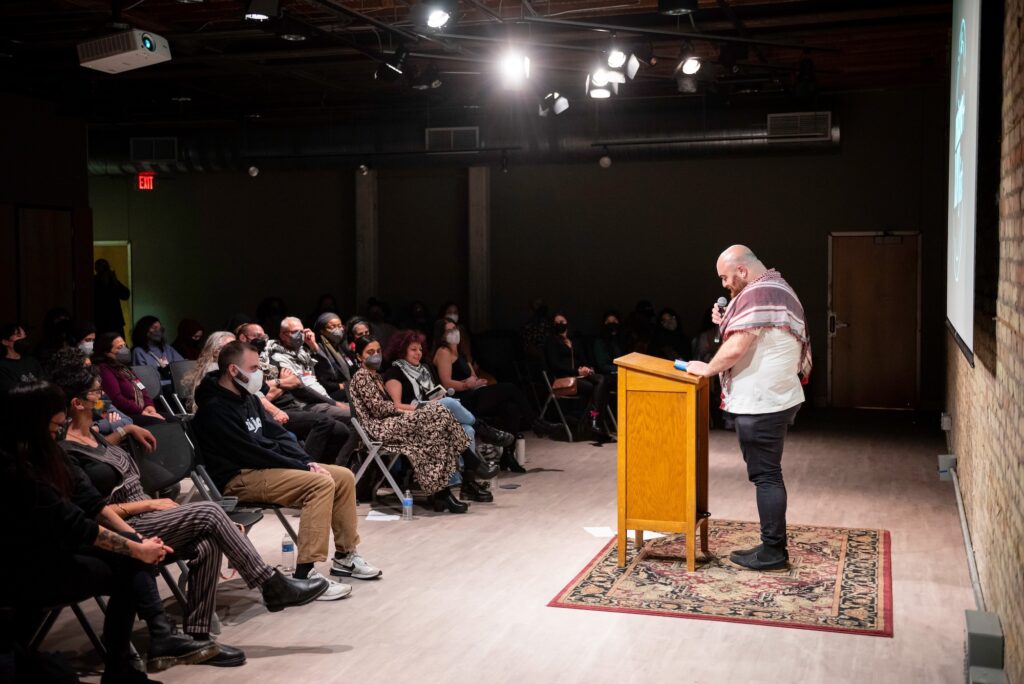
<point x="605" y="161"/>
<point x="690" y="66"/>
<point x="515" y="68"/>
<point x="598" y="92"/>
<point x="676" y="7"/>
<point x="553" y="102"/>
<point x="602" y="77"/>
<point x="428" y="79"/>
<point x="390" y="69"/>
<point x="616" y="58"/>
<point x="437" y="18"/>
<point x="364" y="169"/>
<point x="262" y="10"/>
<point x="254" y="171"/>
<point x="632" y="67"/>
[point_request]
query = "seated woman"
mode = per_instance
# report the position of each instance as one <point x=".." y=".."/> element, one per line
<point x="502" y="402"/>
<point x="334" y="368"/>
<point x="200" y="532"/>
<point x="189" y="341"/>
<point x="151" y="349"/>
<point x="409" y="382"/>
<point x="84" y="337"/>
<point x="669" y="341"/>
<point x="81" y="548"/>
<point x="428" y="436"/>
<point x="120" y="382"/>
<point x="206" y="362"/>
<point x="356" y="327"/>
<point x="567" y="358"/>
<point x="608" y="345"/>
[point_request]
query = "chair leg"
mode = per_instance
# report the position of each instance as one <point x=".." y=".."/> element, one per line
<point x="561" y="417"/>
<point x="287" y="525"/>
<point x="44" y="629"/>
<point x="87" y="628"/>
<point x="611" y="414"/>
<point x="176" y="589"/>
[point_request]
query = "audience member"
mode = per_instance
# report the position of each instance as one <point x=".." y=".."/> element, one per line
<point x="536" y="330"/>
<point x="84" y="337"/>
<point x="58" y="333"/>
<point x="567" y="358"/>
<point x="121" y="383"/>
<point x="356" y="327"/>
<point x="379" y="315"/>
<point x="640" y="325"/>
<point x="252" y="458"/>
<point x="669" y="341"/>
<point x="334" y="368"/>
<point x="206" y="362"/>
<point x="200" y="532"/>
<point x="189" y="341"/>
<point x="108" y="293"/>
<point x="151" y="347"/>
<point x="16" y="364"/>
<point x="608" y="345"/>
<point x="58" y="498"/>
<point x="325" y="303"/>
<point x="428" y="436"/>
<point x="270" y="312"/>
<point x="419" y="318"/>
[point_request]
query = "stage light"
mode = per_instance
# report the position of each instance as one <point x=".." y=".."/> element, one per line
<point x="515" y="68"/>
<point x="438" y="18"/>
<point x="632" y="67"/>
<point x="598" y="92"/>
<point x="427" y="79"/>
<point x="674" y="8"/>
<point x="262" y="10"/>
<point x="364" y="169"/>
<point x="392" y="68"/>
<point x="553" y="102"/>
<point x="690" y="66"/>
<point x="616" y="58"/>
<point x="686" y="84"/>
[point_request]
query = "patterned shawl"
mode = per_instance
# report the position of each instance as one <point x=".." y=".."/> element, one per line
<point x="769" y="302"/>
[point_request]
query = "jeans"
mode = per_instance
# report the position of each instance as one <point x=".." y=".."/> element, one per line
<point x="761" y="438"/>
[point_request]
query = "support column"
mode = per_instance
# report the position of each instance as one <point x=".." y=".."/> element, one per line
<point x="367" y="231"/>
<point x="480" y="247"/>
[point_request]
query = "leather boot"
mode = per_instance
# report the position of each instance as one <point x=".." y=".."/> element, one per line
<point x="280" y="592"/>
<point x="168" y="648"/>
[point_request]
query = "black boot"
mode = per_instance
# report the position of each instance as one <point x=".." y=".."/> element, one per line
<point x="543" y="428"/>
<point x="168" y="648"/>
<point x="229" y="656"/>
<point x="473" y="463"/>
<point x="598" y="432"/>
<point x="509" y="462"/>
<point x="445" y="499"/>
<point x="280" y="592"/>
<point x="766" y="557"/>
<point x="493" y="435"/>
<point x="472" y="491"/>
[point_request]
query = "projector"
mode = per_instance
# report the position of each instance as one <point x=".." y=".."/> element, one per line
<point x="124" y="51"/>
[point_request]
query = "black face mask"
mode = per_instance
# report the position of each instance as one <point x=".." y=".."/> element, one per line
<point x="335" y="336"/>
<point x="259" y="343"/>
<point x="295" y="340"/>
<point x="611" y="328"/>
<point x="561" y="327"/>
<point x="22" y="347"/>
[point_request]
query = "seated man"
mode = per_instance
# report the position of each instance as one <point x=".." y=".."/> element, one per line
<point x="327" y="440"/>
<point x="16" y="364"/>
<point x="251" y="457"/>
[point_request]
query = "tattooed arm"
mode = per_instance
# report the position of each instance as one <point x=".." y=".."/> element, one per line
<point x="148" y="550"/>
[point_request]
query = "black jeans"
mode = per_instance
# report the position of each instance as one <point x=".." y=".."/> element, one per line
<point x="327" y="440"/>
<point x="761" y="438"/>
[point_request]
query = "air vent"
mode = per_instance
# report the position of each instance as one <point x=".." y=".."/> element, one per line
<point x="106" y="46"/>
<point x="154" y="149"/>
<point x="458" y="139"/>
<point x="800" y="125"/>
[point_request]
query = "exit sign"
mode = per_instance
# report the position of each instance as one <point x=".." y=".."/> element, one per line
<point x="145" y="180"/>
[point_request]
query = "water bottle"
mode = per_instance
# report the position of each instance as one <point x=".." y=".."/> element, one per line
<point x="287" y="554"/>
<point x="407" y="505"/>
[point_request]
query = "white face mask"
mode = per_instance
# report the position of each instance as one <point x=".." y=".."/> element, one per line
<point x="453" y="337"/>
<point x="251" y="383"/>
<point x="454" y="318"/>
<point x="86" y="347"/>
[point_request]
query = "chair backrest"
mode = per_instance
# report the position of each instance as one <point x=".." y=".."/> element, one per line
<point x="171" y="462"/>
<point x="363" y="434"/>
<point x="180" y="369"/>
<point x="150" y="377"/>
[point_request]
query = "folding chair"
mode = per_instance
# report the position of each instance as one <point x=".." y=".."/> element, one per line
<point x="179" y="370"/>
<point x="150" y="378"/>
<point x="51" y="617"/>
<point x="553" y="397"/>
<point x="375" y="451"/>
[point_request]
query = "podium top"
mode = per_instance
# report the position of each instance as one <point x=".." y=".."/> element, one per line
<point x="653" y="365"/>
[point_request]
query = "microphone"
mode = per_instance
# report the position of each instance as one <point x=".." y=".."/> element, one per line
<point x="450" y="392"/>
<point x="721" y="304"/>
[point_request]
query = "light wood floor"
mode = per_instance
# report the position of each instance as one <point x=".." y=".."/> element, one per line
<point x="463" y="598"/>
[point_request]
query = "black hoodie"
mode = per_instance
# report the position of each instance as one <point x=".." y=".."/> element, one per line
<point x="234" y="433"/>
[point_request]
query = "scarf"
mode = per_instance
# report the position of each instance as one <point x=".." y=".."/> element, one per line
<point x="768" y="302"/>
<point x="422" y="380"/>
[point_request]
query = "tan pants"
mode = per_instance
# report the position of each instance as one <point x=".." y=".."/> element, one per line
<point x="327" y="503"/>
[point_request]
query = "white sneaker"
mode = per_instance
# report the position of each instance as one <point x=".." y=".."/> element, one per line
<point x="335" y="590"/>
<point x="353" y="565"/>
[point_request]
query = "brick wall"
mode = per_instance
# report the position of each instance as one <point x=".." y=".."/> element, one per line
<point x="987" y="404"/>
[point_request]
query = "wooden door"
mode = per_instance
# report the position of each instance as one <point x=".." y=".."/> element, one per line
<point x="46" y="268"/>
<point x="874" y="320"/>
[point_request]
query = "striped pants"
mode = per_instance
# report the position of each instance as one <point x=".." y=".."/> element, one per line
<point x="201" y="532"/>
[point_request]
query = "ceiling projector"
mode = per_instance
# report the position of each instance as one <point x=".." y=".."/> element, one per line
<point x="124" y="51"/>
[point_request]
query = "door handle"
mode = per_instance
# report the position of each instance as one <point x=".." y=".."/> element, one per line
<point x="834" y="324"/>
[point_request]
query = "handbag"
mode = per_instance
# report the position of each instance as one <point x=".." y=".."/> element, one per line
<point x="564" y="387"/>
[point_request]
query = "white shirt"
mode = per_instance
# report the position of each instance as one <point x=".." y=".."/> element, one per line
<point x="766" y="379"/>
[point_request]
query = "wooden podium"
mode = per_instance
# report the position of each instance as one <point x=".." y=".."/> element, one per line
<point x="663" y="452"/>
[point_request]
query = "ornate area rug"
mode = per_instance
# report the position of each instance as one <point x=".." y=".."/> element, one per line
<point x="838" y="580"/>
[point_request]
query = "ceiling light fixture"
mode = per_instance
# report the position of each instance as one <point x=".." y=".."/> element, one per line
<point x="553" y="102"/>
<point x="598" y="92"/>
<point x="675" y="8"/>
<point x="515" y="69"/>
<point x="390" y="69"/>
<point x="263" y="10"/>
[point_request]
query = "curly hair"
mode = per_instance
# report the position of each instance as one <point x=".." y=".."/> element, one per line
<point x="399" y="343"/>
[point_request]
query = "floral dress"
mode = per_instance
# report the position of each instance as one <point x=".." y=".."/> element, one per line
<point x="429" y="437"/>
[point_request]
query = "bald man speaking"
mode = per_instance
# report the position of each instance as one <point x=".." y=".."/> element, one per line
<point x="764" y="360"/>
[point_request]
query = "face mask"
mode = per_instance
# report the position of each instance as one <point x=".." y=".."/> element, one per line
<point x="155" y="336"/>
<point x="611" y="328"/>
<point x="671" y="324"/>
<point x="251" y="383"/>
<point x="561" y="327"/>
<point x="22" y="347"/>
<point x="453" y="337"/>
<point x="295" y="340"/>
<point x="123" y="355"/>
<point x="259" y="343"/>
<point x="373" y="361"/>
<point x="101" y="405"/>
<point x="86" y="347"/>
<point x="335" y="336"/>
<point x="454" y="318"/>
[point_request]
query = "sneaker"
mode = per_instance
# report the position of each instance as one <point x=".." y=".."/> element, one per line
<point x="353" y="565"/>
<point x="335" y="590"/>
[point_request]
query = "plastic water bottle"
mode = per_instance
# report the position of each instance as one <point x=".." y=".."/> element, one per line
<point x="407" y="505"/>
<point x="287" y="554"/>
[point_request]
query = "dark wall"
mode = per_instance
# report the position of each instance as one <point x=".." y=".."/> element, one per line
<point x="588" y="238"/>
<point x="208" y="246"/>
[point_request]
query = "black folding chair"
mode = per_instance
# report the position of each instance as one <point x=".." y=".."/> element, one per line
<point x="150" y="378"/>
<point x="179" y="371"/>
